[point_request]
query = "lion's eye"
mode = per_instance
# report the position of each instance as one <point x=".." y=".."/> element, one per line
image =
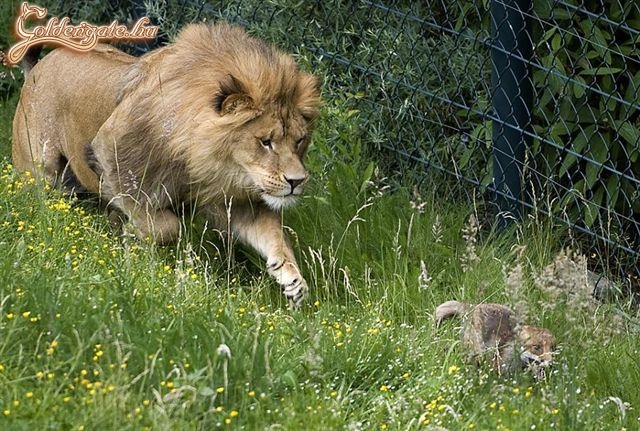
<point x="266" y="143"/>
<point x="299" y="143"/>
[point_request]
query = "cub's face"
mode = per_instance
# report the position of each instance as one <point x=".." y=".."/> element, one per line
<point x="538" y="348"/>
<point x="270" y="152"/>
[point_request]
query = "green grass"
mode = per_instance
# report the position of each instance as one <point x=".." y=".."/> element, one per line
<point x="99" y="331"/>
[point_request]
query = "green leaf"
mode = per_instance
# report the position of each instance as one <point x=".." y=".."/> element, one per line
<point x="487" y="179"/>
<point x="482" y="133"/>
<point x="592" y="208"/>
<point x="461" y="21"/>
<point x="595" y="36"/>
<point x="629" y="133"/>
<point x="606" y="85"/>
<point x="553" y="78"/>
<point x="591" y="175"/>
<point x="579" y="87"/>
<point x="633" y="91"/>
<point x="578" y="145"/>
<point x="567" y="109"/>
<point x="599" y="153"/>
<point x="547" y="35"/>
<point x="561" y="14"/>
<point x="588" y="115"/>
<point x="567" y="163"/>
<point x="556" y="43"/>
<point x="466" y="156"/>
<point x="613" y="189"/>
<point x="488" y="133"/>
<point x="598" y="71"/>
<point x="366" y="176"/>
<point x="535" y="145"/>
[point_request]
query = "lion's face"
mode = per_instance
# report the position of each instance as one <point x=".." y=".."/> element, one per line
<point x="260" y="156"/>
<point x="257" y="142"/>
<point x="269" y="151"/>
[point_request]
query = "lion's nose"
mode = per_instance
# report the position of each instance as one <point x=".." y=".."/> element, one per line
<point x="295" y="182"/>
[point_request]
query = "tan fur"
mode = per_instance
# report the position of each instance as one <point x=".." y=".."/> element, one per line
<point x="492" y="332"/>
<point x="217" y="120"/>
<point x="61" y="109"/>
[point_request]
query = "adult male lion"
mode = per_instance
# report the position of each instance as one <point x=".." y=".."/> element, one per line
<point x="217" y="120"/>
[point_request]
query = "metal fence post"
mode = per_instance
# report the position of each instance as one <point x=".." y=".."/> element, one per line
<point x="512" y="86"/>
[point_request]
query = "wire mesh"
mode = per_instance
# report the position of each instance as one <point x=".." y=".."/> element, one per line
<point x="420" y="73"/>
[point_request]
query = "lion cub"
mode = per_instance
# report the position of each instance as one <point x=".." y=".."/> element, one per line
<point x="491" y="332"/>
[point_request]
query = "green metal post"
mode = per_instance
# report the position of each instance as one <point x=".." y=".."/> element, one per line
<point x="512" y="100"/>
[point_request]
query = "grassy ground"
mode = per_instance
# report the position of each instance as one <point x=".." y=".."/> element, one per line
<point x="99" y="331"/>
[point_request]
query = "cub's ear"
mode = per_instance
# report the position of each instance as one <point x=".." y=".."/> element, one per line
<point x="232" y="97"/>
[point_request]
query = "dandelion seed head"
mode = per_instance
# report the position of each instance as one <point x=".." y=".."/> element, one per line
<point x="224" y="351"/>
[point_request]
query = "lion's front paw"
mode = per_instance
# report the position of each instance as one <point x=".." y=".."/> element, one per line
<point x="288" y="276"/>
<point x="296" y="292"/>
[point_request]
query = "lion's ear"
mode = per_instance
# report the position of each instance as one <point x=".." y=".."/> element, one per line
<point x="232" y="97"/>
<point x="308" y="96"/>
<point x="235" y="103"/>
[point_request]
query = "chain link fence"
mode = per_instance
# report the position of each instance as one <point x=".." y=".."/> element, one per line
<point x="531" y="107"/>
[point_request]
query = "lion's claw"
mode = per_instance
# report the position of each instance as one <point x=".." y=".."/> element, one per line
<point x="297" y="297"/>
<point x="288" y="276"/>
<point x="274" y="265"/>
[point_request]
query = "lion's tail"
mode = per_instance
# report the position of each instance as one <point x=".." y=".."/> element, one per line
<point x="449" y="309"/>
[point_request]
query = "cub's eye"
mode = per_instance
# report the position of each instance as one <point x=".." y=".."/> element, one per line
<point x="266" y="143"/>
<point x="536" y="348"/>
<point x="299" y="142"/>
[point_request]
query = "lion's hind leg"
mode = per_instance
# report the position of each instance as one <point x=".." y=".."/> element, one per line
<point x="161" y="226"/>
<point x="35" y="150"/>
<point x="46" y="161"/>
